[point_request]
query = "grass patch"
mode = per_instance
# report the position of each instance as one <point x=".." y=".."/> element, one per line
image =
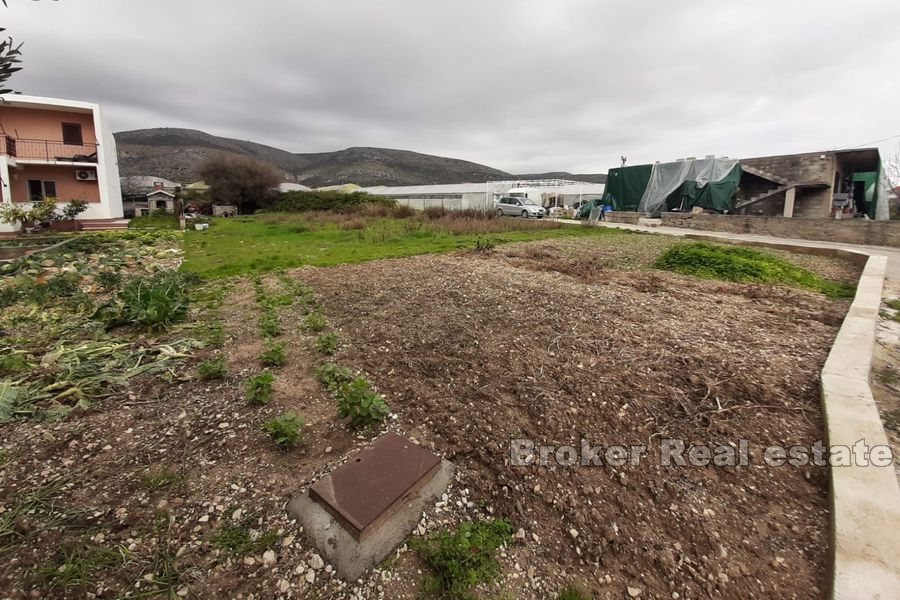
<point x="239" y="537"/>
<point x="894" y="304"/>
<point x="285" y="430"/>
<point x="164" y="478"/>
<point x="463" y="558"/>
<point x="155" y="220"/>
<point x="41" y="504"/>
<point x="745" y="265"/>
<point x="572" y="592"/>
<point x="888" y="376"/>
<point x="276" y="241"/>
<point x="78" y="567"/>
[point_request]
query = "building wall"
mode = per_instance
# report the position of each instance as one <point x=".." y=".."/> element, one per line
<point x="850" y="231"/>
<point x="44" y="124"/>
<point x="800" y="168"/>
<point x="67" y="187"/>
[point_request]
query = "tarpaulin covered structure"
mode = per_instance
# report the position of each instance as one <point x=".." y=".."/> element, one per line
<point x="709" y="183"/>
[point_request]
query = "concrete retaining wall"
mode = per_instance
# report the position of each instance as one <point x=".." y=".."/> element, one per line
<point x="856" y="231"/>
<point x="865" y="500"/>
<point x="624" y="217"/>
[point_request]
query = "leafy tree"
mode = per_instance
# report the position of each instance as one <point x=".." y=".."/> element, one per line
<point x="10" y="55"/>
<point x="238" y="180"/>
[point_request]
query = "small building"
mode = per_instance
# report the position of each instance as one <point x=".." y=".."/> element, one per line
<point x="833" y="183"/>
<point x="288" y="186"/>
<point x="224" y="210"/>
<point x="59" y="148"/>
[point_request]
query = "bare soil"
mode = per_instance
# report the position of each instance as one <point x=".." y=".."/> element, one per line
<point x="471" y="350"/>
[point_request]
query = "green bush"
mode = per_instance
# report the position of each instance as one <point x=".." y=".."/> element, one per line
<point x="744" y="265"/>
<point x="214" y="368"/>
<point x="274" y="355"/>
<point x="327" y="343"/>
<point x="154" y="302"/>
<point x="285" y="430"/>
<point x="359" y="403"/>
<point x="109" y="280"/>
<point x="315" y="321"/>
<point x="258" y="388"/>
<point x="463" y="558"/>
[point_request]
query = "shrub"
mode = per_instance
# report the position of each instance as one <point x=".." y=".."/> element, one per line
<point x="285" y="430"/>
<point x="333" y="376"/>
<point x="258" y="388"/>
<point x="463" y="558"/>
<point x="274" y="355"/>
<point x="214" y="368"/>
<point x="74" y="208"/>
<point x="315" y="321"/>
<point x="154" y="302"/>
<point x="484" y="245"/>
<point x="327" y="343"/>
<point x="359" y="403"/>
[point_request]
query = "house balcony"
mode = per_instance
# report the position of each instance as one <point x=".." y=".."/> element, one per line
<point x="50" y="151"/>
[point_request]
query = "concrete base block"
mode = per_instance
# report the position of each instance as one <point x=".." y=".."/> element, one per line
<point x="352" y="558"/>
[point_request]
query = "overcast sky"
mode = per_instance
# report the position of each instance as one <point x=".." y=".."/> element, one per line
<point x="520" y="85"/>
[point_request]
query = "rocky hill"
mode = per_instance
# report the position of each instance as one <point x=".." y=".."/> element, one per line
<point x="174" y="154"/>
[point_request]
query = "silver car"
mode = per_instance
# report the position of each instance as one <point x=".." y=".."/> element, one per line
<point x="519" y="207"/>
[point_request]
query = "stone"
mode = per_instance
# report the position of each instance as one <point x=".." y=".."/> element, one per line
<point x="315" y="562"/>
<point x="634" y="592"/>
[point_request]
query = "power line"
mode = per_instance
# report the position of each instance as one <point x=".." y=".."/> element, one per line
<point x="876" y="141"/>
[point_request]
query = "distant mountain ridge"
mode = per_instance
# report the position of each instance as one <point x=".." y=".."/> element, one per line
<point x="175" y="153"/>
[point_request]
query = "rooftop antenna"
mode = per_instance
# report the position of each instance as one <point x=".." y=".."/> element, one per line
<point x="624" y="159"/>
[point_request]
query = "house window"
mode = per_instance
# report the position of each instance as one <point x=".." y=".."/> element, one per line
<point x="38" y="189"/>
<point x="72" y="134"/>
<point x="161" y="204"/>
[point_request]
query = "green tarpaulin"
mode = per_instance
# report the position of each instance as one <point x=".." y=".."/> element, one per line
<point x="625" y="186"/>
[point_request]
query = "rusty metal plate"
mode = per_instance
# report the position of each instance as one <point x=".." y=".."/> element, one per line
<point x="369" y="486"/>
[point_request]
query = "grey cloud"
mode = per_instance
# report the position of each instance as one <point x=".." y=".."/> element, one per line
<point x="523" y="85"/>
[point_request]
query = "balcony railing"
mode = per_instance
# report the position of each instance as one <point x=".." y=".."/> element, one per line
<point x="49" y="150"/>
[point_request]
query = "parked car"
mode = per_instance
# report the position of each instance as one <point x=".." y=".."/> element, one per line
<point x="519" y="207"/>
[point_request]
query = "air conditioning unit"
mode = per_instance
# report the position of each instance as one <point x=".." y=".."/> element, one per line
<point x="85" y="175"/>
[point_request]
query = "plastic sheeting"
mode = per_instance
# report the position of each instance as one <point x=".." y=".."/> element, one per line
<point x="625" y="186"/>
<point x="668" y="178"/>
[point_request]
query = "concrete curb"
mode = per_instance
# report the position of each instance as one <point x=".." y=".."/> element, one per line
<point x="865" y="500"/>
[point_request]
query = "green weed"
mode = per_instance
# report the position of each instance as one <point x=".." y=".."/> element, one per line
<point x="78" y="567"/>
<point x="332" y="376"/>
<point x="153" y="302"/>
<point x="572" y="592"/>
<point x="315" y="321"/>
<point x="327" y="343"/>
<point x="744" y="265"/>
<point x="164" y="478"/>
<point x="258" y="388"/>
<point x="213" y="368"/>
<point x="463" y="558"/>
<point x="274" y="355"/>
<point x="359" y="403"/>
<point x="285" y="430"/>
<point x="239" y="538"/>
